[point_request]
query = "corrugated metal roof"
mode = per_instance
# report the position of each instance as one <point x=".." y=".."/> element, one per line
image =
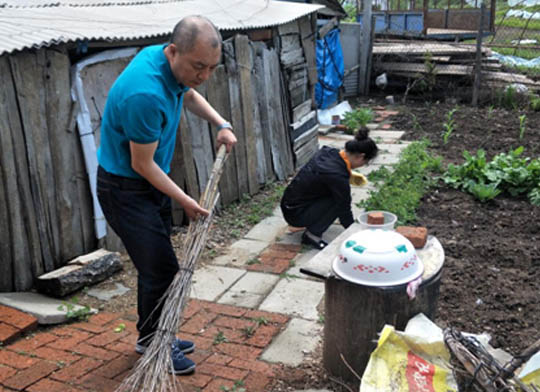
<point x="22" y="28"/>
<point x="77" y="3"/>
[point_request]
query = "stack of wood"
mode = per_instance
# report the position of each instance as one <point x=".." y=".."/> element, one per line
<point x="409" y="59"/>
<point x="297" y="56"/>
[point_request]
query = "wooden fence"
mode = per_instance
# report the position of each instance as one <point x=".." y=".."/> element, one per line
<point x="47" y="217"/>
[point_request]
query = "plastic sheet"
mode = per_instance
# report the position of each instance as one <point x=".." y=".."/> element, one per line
<point x="514" y="60"/>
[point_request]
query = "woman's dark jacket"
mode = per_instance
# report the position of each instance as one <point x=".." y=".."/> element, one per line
<point x="324" y="176"/>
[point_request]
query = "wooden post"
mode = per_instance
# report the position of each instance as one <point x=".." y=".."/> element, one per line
<point x="425" y="12"/>
<point x="493" y="9"/>
<point x="364" y="71"/>
<point x="478" y="65"/>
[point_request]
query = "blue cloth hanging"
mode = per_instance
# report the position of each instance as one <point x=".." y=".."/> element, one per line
<point x="330" y="69"/>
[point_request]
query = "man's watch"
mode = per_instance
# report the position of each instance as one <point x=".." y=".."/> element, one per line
<point x="224" y="125"/>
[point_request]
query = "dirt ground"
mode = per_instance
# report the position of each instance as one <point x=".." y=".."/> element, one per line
<point x="491" y="279"/>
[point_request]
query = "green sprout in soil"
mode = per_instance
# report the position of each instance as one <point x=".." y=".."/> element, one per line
<point x="522" y="125"/>
<point x="449" y="125"/>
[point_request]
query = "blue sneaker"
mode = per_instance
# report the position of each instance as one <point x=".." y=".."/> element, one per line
<point x="181" y="364"/>
<point x="185" y="346"/>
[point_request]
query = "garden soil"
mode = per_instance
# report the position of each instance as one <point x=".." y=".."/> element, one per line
<point x="491" y="278"/>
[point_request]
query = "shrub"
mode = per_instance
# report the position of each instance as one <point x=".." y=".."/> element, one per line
<point x="358" y="118"/>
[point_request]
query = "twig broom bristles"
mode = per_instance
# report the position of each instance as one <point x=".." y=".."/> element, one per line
<point x="153" y="371"/>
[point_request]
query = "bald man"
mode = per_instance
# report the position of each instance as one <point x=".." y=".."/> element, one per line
<point x="138" y="135"/>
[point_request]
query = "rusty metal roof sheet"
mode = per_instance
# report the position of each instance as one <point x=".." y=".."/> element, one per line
<point x="35" y="27"/>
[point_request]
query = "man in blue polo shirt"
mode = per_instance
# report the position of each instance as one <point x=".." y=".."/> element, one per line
<point x="138" y="134"/>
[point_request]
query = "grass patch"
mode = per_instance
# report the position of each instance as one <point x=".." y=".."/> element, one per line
<point x="522" y="52"/>
<point x="403" y="188"/>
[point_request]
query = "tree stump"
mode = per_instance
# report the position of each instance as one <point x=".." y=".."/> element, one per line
<point x="355" y="314"/>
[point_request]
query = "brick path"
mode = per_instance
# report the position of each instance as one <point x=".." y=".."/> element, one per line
<point x="91" y="356"/>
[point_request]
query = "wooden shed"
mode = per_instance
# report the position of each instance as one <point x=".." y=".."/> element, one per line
<point x="56" y="65"/>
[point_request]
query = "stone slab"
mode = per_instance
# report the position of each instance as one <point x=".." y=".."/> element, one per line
<point x="107" y="295"/>
<point x="277" y="212"/>
<point x="300" y="261"/>
<point x="394" y="148"/>
<point x="210" y="282"/>
<point x="296" y="297"/>
<point x="245" y="300"/>
<point x="386" y="136"/>
<point x="290" y="347"/>
<point x="385" y="159"/>
<point x="44" y="309"/>
<point x="255" y="283"/>
<point x="267" y="230"/>
<point x="234" y="257"/>
<point x="253" y="247"/>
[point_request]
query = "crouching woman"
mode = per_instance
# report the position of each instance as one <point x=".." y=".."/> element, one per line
<point x="321" y="191"/>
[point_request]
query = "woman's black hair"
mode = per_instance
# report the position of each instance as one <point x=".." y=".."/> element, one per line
<point x="362" y="144"/>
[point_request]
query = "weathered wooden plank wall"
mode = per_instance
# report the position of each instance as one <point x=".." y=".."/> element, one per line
<point x="38" y="157"/>
<point x="48" y="216"/>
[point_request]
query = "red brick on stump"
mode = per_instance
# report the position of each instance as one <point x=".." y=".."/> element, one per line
<point x="417" y="235"/>
<point x="375" y="218"/>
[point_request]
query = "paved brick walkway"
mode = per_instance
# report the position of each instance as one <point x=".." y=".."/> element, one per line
<point x="91" y="356"/>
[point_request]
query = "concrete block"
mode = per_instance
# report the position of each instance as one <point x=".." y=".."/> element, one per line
<point x="253" y="247"/>
<point x="392" y="148"/>
<point x="290" y="347"/>
<point x="385" y="159"/>
<point x="255" y="283"/>
<point x="210" y="282"/>
<point x="246" y="300"/>
<point x="234" y="257"/>
<point x="267" y="230"/>
<point x="45" y="309"/>
<point x="300" y="261"/>
<point x="296" y="297"/>
<point x="277" y="212"/>
<point x="386" y="136"/>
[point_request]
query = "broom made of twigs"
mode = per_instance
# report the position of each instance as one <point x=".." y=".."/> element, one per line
<point x="153" y="371"/>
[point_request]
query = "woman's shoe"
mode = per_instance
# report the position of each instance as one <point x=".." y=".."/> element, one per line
<point x="319" y="245"/>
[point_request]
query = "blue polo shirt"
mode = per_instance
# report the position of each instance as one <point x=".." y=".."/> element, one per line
<point x="144" y="105"/>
